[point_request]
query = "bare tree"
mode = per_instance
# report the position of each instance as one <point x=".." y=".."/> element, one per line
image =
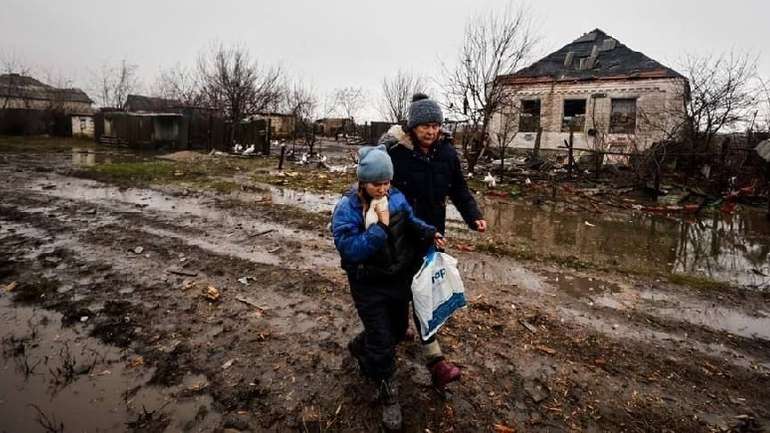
<point x="113" y="84"/>
<point x="493" y="45"/>
<point x="506" y="132"/>
<point x="721" y="94"/>
<point x="301" y="101"/>
<point x="181" y="84"/>
<point x="327" y="106"/>
<point x="765" y="89"/>
<point x="235" y="83"/>
<point x="350" y="100"/>
<point x="397" y="92"/>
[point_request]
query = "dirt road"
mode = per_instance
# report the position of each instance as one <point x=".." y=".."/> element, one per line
<point x="168" y="309"/>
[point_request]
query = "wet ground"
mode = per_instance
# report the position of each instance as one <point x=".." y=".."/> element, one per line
<point x="112" y="323"/>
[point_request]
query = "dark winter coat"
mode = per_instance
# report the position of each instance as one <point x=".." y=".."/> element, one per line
<point x="382" y="256"/>
<point x="428" y="179"/>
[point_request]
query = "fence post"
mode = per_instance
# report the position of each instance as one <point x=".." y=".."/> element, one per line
<point x="283" y="153"/>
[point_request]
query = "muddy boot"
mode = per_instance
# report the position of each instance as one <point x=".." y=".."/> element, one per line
<point x="443" y="373"/>
<point x="391" y="408"/>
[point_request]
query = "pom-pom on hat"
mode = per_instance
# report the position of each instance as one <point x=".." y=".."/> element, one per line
<point x="423" y="110"/>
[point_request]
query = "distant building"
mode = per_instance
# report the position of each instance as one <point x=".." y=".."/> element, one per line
<point x="28" y="106"/>
<point x="281" y="125"/>
<point x="611" y="97"/>
<point x="82" y="125"/>
<point x="330" y="126"/>
<point x="23" y="92"/>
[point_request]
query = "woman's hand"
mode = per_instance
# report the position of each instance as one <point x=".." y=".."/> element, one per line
<point x="439" y="240"/>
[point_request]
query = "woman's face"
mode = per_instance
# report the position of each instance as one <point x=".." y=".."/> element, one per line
<point x="377" y="189"/>
<point x="426" y="133"/>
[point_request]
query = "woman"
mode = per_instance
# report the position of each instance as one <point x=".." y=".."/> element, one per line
<point x="428" y="172"/>
<point x="380" y="242"/>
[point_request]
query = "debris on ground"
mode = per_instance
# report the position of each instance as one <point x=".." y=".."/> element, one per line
<point x="211" y="293"/>
<point x="546" y="349"/>
<point x="182" y="272"/>
<point x="501" y="428"/>
<point x="136" y="362"/>
<point x="10" y="287"/>
<point x="528" y="326"/>
<point x="138" y="250"/>
<point x="249" y="301"/>
<point x="536" y="390"/>
<point x="262" y="233"/>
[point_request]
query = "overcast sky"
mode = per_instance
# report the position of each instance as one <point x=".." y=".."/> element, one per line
<point x="342" y="43"/>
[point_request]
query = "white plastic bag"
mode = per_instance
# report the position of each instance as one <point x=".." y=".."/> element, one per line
<point x="437" y="291"/>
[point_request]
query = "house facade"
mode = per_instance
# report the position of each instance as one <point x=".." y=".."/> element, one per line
<point x="607" y="96"/>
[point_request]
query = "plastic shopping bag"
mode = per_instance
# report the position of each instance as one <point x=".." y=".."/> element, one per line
<point x="437" y="291"/>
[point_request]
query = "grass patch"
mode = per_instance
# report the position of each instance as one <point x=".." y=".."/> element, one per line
<point x="695" y="281"/>
<point x="310" y="180"/>
<point x="219" y="185"/>
<point x="12" y="144"/>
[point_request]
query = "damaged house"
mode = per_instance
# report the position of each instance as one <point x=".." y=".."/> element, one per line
<point x="31" y="107"/>
<point x="611" y="98"/>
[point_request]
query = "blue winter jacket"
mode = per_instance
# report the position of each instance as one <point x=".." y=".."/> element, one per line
<point x="379" y="251"/>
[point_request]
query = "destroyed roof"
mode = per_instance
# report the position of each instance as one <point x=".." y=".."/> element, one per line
<point x="593" y="56"/>
<point x="24" y="87"/>
<point x="149" y="103"/>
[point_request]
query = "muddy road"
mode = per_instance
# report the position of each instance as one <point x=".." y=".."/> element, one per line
<point x="168" y="309"/>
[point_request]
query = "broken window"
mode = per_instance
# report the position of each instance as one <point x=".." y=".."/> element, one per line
<point x="574" y="115"/>
<point x="623" y="116"/>
<point x="529" y="117"/>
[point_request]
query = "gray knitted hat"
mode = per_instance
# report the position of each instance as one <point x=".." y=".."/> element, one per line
<point x="423" y="110"/>
<point x="374" y="164"/>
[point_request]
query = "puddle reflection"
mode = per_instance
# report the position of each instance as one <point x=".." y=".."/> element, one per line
<point x="733" y="248"/>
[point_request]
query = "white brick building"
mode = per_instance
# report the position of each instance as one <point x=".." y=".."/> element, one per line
<point x="612" y="98"/>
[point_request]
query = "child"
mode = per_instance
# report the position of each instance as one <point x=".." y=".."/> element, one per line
<point x="380" y="242"/>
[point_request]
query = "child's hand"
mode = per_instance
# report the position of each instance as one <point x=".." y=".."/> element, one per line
<point x="383" y="215"/>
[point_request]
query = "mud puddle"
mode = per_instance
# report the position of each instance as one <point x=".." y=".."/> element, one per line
<point x="733" y="249"/>
<point x="749" y="324"/>
<point x="54" y="378"/>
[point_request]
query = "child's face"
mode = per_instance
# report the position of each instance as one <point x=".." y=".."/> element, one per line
<point x="377" y="189"/>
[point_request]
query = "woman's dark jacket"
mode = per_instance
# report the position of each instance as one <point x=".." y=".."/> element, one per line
<point x="428" y="179"/>
<point x="380" y="254"/>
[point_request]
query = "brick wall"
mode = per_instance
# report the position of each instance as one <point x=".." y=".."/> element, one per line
<point x="659" y="106"/>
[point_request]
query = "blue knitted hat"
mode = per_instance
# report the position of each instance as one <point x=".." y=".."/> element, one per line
<point x="423" y="110"/>
<point x="374" y="164"/>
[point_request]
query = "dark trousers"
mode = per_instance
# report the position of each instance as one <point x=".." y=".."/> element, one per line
<point x="385" y="319"/>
